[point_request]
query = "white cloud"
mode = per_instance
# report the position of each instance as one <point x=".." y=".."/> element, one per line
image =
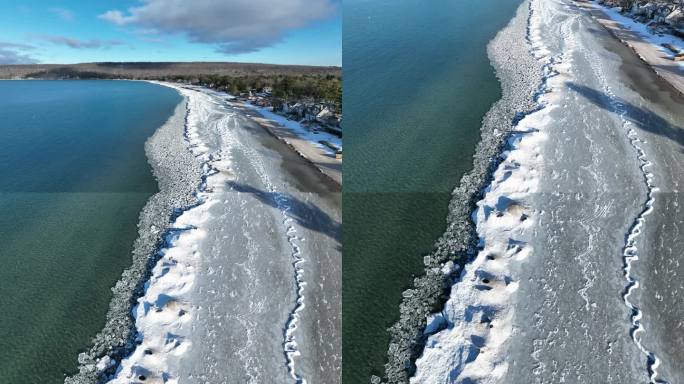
<point x="236" y="26"/>
<point x="115" y="17"/>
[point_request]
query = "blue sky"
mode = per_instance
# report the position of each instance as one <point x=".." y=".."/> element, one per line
<point x="263" y="31"/>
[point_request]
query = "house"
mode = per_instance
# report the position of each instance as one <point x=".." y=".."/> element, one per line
<point x="323" y="113"/>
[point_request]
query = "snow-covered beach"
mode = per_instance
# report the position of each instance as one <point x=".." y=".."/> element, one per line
<point x="247" y="283"/>
<point x="305" y="141"/>
<point x="575" y="279"/>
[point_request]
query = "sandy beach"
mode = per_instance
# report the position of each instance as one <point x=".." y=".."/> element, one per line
<point x="324" y="160"/>
<point x="654" y="55"/>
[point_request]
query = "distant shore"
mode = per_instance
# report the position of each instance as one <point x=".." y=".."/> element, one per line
<point x="633" y="34"/>
<point x="324" y="160"/>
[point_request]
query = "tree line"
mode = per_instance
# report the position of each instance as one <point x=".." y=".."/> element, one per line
<point x="289" y="87"/>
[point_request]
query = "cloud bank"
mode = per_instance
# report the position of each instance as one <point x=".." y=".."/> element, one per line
<point x="11" y="53"/>
<point x="235" y="26"/>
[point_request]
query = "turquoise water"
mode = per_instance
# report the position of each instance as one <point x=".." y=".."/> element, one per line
<point x="73" y="179"/>
<point x="417" y="82"/>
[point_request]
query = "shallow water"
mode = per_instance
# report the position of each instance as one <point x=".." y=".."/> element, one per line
<point x="73" y="179"/>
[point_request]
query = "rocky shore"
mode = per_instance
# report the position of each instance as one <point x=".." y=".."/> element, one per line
<point x="662" y="16"/>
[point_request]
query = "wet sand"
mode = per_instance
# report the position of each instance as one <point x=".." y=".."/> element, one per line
<point x="324" y="162"/>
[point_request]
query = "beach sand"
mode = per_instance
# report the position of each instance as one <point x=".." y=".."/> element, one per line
<point x="321" y="159"/>
<point x="652" y="54"/>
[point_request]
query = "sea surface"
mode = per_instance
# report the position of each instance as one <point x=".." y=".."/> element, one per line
<point x="73" y="179"/>
<point x="417" y="85"/>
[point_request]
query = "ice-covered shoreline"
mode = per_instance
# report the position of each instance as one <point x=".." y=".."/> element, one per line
<point x="240" y="257"/>
<point x="177" y="175"/>
<point x="162" y="315"/>
<point x="520" y="75"/>
<point x="478" y="317"/>
<point x="306" y="143"/>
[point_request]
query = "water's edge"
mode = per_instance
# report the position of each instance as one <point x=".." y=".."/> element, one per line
<point x="519" y="75"/>
<point x="178" y="175"/>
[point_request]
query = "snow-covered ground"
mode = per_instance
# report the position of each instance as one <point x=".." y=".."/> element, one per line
<point x="248" y="286"/>
<point x="657" y="40"/>
<point x="479" y="312"/>
<point x="587" y="288"/>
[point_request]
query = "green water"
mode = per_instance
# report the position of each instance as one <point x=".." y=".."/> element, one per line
<point x="74" y="178"/>
<point x="417" y="82"/>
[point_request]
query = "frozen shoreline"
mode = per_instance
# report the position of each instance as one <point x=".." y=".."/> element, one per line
<point x="245" y="223"/>
<point x="520" y="75"/>
<point x="177" y="175"/>
<point x="478" y="317"/>
<point x="301" y="140"/>
<point x="162" y="315"/>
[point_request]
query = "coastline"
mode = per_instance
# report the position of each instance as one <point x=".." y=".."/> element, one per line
<point x="175" y="300"/>
<point x="321" y="157"/>
<point x="173" y="273"/>
<point x="182" y="179"/>
<point x="324" y="161"/>
<point x="653" y="55"/>
<point x="479" y="314"/>
<point x="177" y="176"/>
<point x="459" y="244"/>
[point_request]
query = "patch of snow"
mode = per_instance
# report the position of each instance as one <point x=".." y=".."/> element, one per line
<point x="299" y="130"/>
